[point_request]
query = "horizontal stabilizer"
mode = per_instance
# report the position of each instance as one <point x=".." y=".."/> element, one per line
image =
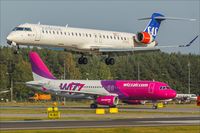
<point x="168" y="18"/>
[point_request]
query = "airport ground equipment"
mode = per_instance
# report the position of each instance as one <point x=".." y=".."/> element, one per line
<point x="53" y="113"/>
<point x="113" y="110"/>
<point x="160" y="105"/>
<point x="41" y="97"/>
<point x="100" y="111"/>
<point x="198" y="101"/>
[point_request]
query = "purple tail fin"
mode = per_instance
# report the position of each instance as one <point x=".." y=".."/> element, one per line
<point x="39" y="69"/>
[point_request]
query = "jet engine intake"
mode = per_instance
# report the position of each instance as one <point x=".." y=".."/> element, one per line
<point x="107" y="100"/>
<point x="144" y="37"/>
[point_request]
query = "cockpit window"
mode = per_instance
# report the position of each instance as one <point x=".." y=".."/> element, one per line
<point x="168" y="87"/>
<point x="27" y="29"/>
<point x="21" y="29"/>
<point x="164" y="87"/>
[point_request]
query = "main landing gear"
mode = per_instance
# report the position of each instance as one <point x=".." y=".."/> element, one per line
<point x="110" y="61"/>
<point x="82" y="60"/>
<point x="155" y="106"/>
<point x="93" y="106"/>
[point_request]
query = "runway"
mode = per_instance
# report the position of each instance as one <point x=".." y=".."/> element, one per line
<point x="59" y="124"/>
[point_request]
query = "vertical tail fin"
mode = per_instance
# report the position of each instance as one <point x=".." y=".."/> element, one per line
<point x="154" y="24"/>
<point x="39" y="69"/>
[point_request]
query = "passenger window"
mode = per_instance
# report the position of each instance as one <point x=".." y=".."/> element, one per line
<point x="57" y="32"/>
<point x="50" y="32"/>
<point x="61" y="33"/>
<point x="86" y="35"/>
<point x="114" y="37"/>
<point x="121" y="38"/>
<point x="124" y="38"/>
<point x="118" y="38"/>
<point x="69" y="33"/>
<point x="42" y="31"/>
<point x="46" y="31"/>
<point x="53" y="32"/>
<point x="90" y="35"/>
<point x="72" y="33"/>
<point x="110" y="37"/>
<point x="79" y="34"/>
<point x="65" y="33"/>
<point x="103" y="36"/>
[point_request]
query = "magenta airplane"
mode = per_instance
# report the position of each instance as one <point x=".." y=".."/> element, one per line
<point x="102" y="92"/>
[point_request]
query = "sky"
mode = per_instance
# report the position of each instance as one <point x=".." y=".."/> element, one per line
<point x="116" y="15"/>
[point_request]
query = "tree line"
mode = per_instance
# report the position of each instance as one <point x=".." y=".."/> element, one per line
<point x="171" y="68"/>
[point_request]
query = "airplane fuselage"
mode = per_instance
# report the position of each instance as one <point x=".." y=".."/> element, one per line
<point x="78" y="39"/>
<point x="124" y="89"/>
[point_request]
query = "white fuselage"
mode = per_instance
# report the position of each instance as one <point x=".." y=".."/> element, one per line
<point x="73" y="38"/>
<point x="71" y="88"/>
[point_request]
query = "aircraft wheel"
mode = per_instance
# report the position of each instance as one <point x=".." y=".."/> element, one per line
<point x="16" y="52"/>
<point x="155" y="107"/>
<point x="80" y="61"/>
<point x="107" y="61"/>
<point x="93" y="106"/>
<point x="84" y="60"/>
<point x="110" y="61"/>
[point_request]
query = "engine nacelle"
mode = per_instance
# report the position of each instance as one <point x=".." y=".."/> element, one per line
<point x="144" y="37"/>
<point x="107" y="100"/>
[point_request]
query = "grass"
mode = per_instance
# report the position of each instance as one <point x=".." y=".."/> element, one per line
<point x="40" y="109"/>
<point x="160" y="129"/>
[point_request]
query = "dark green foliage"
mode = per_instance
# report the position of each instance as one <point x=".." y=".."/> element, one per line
<point x="170" y="68"/>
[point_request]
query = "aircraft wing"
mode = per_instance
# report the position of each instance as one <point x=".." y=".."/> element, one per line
<point x="136" y="49"/>
<point x="143" y="49"/>
<point x="87" y="93"/>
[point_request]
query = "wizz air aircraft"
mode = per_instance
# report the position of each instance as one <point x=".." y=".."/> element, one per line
<point x="102" y="92"/>
<point x="91" y="41"/>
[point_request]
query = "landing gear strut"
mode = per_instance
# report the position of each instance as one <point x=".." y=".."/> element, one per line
<point x="16" y="50"/>
<point x="155" y="106"/>
<point x="82" y="60"/>
<point x="109" y="61"/>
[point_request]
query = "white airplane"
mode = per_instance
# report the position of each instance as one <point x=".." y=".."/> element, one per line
<point x="185" y="98"/>
<point x="90" y="41"/>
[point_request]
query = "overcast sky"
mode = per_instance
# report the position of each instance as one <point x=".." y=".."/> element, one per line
<point x="117" y="15"/>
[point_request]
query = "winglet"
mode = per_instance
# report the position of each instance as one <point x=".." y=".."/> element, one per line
<point x="187" y="45"/>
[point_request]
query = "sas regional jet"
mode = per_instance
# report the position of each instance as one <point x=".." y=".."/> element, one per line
<point x="91" y="41"/>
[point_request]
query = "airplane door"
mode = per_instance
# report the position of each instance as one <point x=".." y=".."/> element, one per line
<point x="38" y="34"/>
<point x="100" y="38"/>
<point x="95" y="38"/>
<point x="151" y="88"/>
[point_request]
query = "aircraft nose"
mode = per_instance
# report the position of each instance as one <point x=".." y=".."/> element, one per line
<point x="9" y="39"/>
<point x="173" y="94"/>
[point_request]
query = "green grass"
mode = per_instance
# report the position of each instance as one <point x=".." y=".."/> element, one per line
<point x="160" y="129"/>
<point x="84" y="114"/>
